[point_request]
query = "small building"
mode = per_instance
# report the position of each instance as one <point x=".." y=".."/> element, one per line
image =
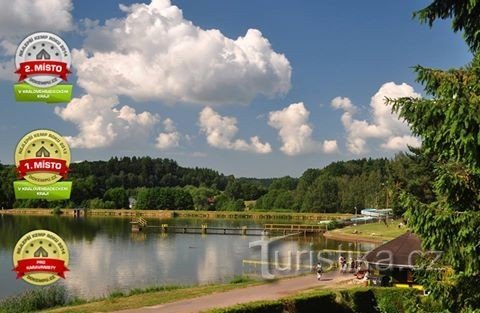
<point x="393" y="263"/>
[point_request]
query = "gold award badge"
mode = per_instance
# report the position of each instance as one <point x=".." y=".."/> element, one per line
<point x="40" y="258"/>
<point x="42" y="157"/>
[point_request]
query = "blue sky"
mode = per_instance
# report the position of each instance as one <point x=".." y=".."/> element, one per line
<point x="317" y="51"/>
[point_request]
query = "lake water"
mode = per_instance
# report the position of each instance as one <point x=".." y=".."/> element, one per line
<point x="106" y="256"/>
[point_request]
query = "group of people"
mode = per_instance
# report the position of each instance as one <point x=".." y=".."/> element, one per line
<point x="352" y="266"/>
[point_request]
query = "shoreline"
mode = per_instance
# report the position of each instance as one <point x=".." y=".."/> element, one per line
<point x="164" y="214"/>
<point x="352" y="237"/>
<point x="148" y="299"/>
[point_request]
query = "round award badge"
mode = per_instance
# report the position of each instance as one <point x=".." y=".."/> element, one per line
<point x="40" y="258"/>
<point x="42" y="157"/>
<point x="43" y="60"/>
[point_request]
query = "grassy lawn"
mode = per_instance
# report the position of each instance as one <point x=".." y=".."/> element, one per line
<point x="121" y="302"/>
<point x="373" y="230"/>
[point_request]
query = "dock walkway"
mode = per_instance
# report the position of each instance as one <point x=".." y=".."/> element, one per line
<point x="140" y="224"/>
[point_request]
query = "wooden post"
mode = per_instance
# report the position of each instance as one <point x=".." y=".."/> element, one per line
<point x="244" y="230"/>
<point x="136" y="228"/>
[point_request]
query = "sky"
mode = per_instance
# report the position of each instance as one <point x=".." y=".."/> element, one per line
<point x="249" y="88"/>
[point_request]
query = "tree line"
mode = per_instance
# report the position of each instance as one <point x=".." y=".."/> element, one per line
<point x="146" y="183"/>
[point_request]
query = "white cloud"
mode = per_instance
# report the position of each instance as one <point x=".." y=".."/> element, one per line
<point x="330" y="146"/>
<point x="295" y="131"/>
<point x="170" y="138"/>
<point x="344" y="104"/>
<point x="155" y="53"/>
<point x="102" y="124"/>
<point x="22" y="17"/>
<point x="385" y="125"/>
<point x="401" y="142"/>
<point x="221" y="131"/>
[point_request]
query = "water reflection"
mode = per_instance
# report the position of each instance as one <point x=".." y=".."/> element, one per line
<point x="105" y="255"/>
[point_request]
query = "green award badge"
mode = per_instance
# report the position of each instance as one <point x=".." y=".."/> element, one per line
<point x="42" y="158"/>
<point x="40" y="258"/>
<point x="43" y="62"/>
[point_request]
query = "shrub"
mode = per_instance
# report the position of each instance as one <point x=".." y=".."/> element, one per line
<point x="116" y="294"/>
<point x="137" y="291"/>
<point x="57" y="210"/>
<point x="254" y="307"/>
<point x="334" y="224"/>
<point x="361" y="300"/>
<point x="240" y="279"/>
<point x="315" y="302"/>
<point x="395" y="300"/>
<point x="35" y="300"/>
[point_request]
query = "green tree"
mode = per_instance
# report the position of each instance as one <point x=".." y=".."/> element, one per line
<point x="202" y="197"/>
<point x="182" y="199"/>
<point x="286" y="183"/>
<point x="118" y="196"/>
<point x="225" y="203"/>
<point x="464" y="14"/>
<point x="448" y="121"/>
<point x="322" y="196"/>
<point x="143" y="199"/>
<point x="277" y="200"/>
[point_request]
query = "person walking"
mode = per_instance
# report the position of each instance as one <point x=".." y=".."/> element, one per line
<point x="343" y="263"/>
<point x="319" y="270"/>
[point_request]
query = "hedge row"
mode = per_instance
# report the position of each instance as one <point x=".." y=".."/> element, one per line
<point x="358" y="300"/>
<point x="253" y="307"/>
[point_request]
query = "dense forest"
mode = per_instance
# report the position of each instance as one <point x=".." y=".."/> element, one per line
<point x="146" y="183"/>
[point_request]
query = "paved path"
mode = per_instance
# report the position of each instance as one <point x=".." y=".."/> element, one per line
<point x="272" y="291"/>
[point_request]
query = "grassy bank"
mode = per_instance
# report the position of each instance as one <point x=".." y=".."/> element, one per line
<point x="374" y="232"/>
<point x="55" y="298"/>
<point x="138" y="298"/>
<point x="303" y="217"/>
<point x="356" y="300"/>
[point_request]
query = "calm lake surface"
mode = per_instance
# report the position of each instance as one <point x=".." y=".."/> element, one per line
<point x="106" y="256"/>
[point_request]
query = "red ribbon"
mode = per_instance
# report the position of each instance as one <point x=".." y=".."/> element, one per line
<point x="48" y="67"/>
<point x="43" y="165"/>
<point x="41" y="265"/>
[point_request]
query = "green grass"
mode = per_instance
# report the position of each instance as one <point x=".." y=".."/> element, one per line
<point x="373" y="230"/>
<point x="241" y="279"/>
<point x="138" y="298"/>
<point x="34" y="300"/>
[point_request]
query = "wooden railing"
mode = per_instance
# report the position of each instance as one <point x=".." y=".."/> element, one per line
<point x="295" y="227"/>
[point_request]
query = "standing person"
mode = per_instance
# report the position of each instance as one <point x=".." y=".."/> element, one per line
<point x="319" y="270"/>
<point x="343" y="263"/>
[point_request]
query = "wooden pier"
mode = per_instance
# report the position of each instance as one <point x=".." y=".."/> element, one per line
<point x="295" y="228"/>
<point x="140" y="224"/>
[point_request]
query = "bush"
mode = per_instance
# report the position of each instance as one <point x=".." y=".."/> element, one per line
<point x="57" y="210"/>
<point x="395" y="300"/>
<point x="240" y="279"/>
<point x="35" y="300"/>
<point x="254" y="307"/>
<point x="315" y="302"/>
<point x="334" y="224"/>
<point x="360" y="300"/>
